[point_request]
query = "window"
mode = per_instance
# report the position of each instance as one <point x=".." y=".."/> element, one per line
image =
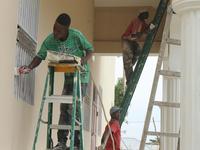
<point x="92" y="109"/>
<point x="26" y="48"/>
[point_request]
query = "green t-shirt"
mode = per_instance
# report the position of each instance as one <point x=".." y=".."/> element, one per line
<point x="75" y="44"/>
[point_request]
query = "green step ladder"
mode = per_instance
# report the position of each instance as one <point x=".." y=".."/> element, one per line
<point x="75" y="100"/>
<point x="142" y="59"/>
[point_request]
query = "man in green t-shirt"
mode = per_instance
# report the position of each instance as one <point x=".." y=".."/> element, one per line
<point x="70" y="41"/>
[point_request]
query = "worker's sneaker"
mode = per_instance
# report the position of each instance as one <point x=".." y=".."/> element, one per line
<point x="60" y="146"/>
<point x="76" y="148"/>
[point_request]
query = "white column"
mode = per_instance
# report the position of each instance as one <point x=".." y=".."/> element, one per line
<point x="170" y="118"/>
<point x="189" y="10"/>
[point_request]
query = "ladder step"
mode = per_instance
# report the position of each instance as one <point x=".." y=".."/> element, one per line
<point x="78" y="122"/>
<point x="173" y="41"/>
<point x="165" y="58"/>
<point x="63" y="127"/>
<point x="167" y="104"/>
<point x="170" y="74"/>
<point x="163" y="134"/>
<point x="59" y="99"/>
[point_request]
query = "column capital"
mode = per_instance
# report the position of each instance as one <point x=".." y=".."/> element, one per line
<point x="181" y="6"/>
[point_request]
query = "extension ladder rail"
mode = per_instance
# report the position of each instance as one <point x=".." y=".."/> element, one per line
<point x="166" y="73"/>
<point x="142" y="59"/>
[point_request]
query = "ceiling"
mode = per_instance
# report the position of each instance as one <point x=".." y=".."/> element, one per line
<point x="113" y="16"/>
<point x="124" y="3"/>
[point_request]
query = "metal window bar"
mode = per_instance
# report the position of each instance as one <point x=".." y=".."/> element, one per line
<point x="26" y="48"/>
<point x="87" y="105"/>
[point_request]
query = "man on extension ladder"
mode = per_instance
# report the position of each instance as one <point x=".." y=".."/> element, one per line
<point x="70" y="41"/>
<point x="131" y="48"/>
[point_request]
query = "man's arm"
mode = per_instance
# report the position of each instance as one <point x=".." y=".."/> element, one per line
<point x="86" y="57"/>
<point x="127" y="34"/>
<point x="86" y="46"/>
<point x="105" y="137"/>
<point x="41" y="55"/>
<point x="34" y="63"/>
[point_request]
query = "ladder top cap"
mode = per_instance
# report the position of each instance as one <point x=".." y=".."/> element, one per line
<point x="52" y="64"/>
<point x="65" y="67"/>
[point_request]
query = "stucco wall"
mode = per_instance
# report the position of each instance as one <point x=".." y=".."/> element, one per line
<point x="13" y="131"/>
<point x="103" y="71"/>
<point x="18" y="119"/>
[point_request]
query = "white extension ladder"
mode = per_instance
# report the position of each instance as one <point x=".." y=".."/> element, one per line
<point x="170" y="74"/>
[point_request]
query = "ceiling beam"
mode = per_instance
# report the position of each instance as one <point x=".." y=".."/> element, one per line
<point x="115" y="47"/>
<point x="125" y="3"/>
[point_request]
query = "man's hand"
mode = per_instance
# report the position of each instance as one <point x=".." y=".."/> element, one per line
<point x="152" y="26"/>
<point x="129" y="38"/>
<point x="24" y="70"/>
<point x="86" y="58"/>
<point x="100" y="148"/>
<point x="83" y="61"/>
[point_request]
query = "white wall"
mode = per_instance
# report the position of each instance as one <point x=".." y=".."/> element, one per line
<point x="103" y="72"/>
<point x="15" y="115"/>
<point x="18" y="119"/>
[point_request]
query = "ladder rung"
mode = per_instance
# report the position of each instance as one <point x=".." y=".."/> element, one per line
<point x="167" y="104"/>
<point x="166" y="58"/>
<point x="163" y="134"/>
<point x="78" y="122"/>
<point x="173" y="41"/>
<point x="63" y="127"/>
<point x="59" y="99"/>
<point x="170" y="74"/>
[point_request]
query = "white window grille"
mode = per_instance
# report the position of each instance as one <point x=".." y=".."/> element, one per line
<point x="26" y="48"/>
<point x="92" y="108"/>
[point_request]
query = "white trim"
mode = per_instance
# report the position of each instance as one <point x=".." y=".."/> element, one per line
<point x="181" y="6"/>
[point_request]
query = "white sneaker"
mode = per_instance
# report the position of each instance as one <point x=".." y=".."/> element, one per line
<point x="60" y="146"/>
<point x="76" y="148"/>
